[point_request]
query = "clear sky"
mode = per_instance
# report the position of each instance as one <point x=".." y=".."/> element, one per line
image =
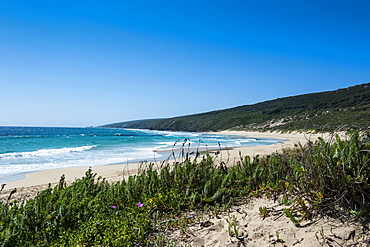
<point x="82" y="63"/>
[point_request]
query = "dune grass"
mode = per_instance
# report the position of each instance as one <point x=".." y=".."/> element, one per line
<point x="322" y="175"/>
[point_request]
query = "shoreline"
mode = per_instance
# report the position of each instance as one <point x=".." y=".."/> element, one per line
<point x="213" y="229"/>
<point x="288" y="140"/>
<point x="115" y="172"/>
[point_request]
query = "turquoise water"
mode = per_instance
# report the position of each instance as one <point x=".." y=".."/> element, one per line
<point x="29" y="149"/>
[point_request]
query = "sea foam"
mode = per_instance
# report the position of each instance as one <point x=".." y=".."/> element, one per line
<point x="45" y="152"/>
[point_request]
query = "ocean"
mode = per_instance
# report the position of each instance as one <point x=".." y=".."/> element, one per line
<point x="29" y="149"/>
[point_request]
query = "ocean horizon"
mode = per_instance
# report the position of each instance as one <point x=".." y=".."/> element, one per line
<point x="30" y="149"/>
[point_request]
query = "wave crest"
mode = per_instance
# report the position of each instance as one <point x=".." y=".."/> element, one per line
<point x="45" y="152"/>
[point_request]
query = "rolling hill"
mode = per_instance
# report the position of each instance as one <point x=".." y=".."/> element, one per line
<point x="324" y="111"/>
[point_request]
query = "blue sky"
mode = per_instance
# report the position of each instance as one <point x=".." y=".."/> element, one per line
<point x="82" y="63"/>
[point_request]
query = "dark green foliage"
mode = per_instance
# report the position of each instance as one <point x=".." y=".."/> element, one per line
<point x="324" y="111"/>
<point x="92" y="212"/>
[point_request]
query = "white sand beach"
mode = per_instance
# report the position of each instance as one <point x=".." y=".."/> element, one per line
<point x="288" y="140"/>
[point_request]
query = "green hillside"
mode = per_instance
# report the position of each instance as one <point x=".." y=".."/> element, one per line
<point x="323" y="111"/>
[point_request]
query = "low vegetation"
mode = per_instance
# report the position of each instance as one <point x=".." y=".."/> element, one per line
<point x="311" y="179"/>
